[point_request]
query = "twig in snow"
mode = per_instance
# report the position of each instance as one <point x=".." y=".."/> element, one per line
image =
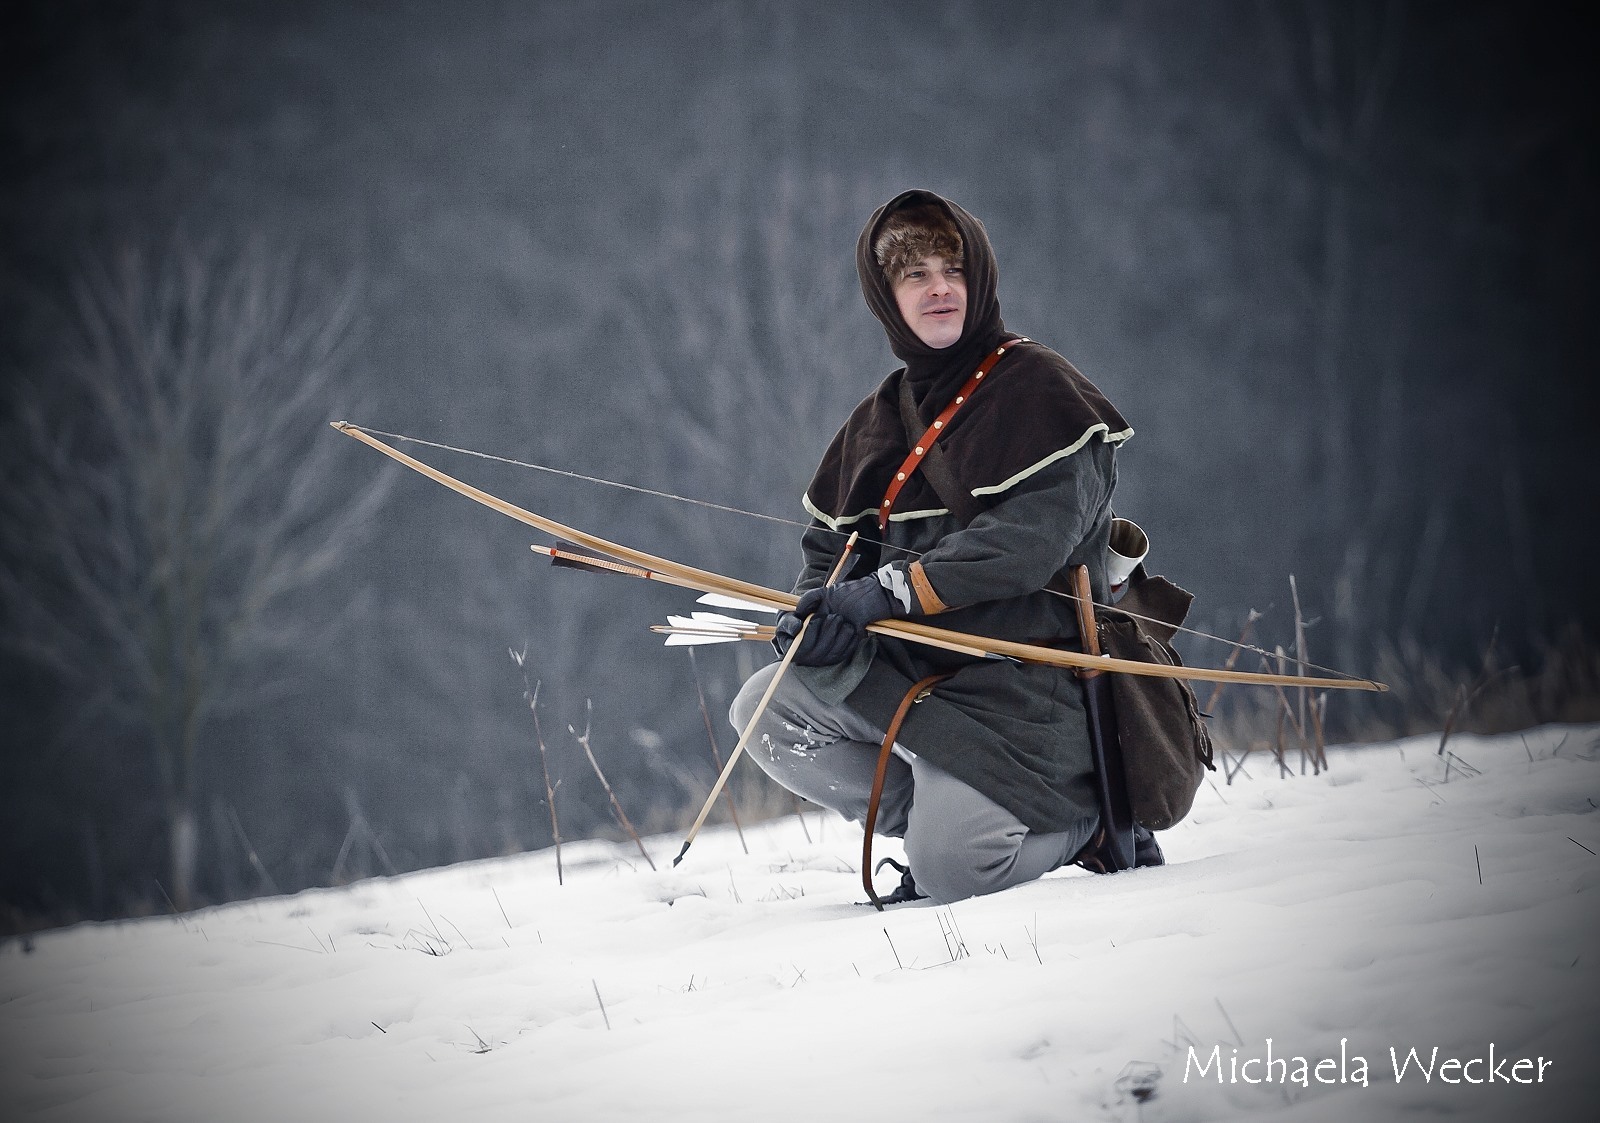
<point x="1283" y="710"/>
<point x="892" y="948"/>
<point x="531" y="693"/>
<point x="1233" y="656"/>
<point x="359" y="829"/>
<point x="798" y="814"/>
<point x="1575" y="842"/>
<point x="1319" y="710"/>
<point x="318" y="950"/>
<point x="1237" y="768"/>
<point x="1318" y="762"/>
<point x="250" y="852"/>
<point x="438" y="935"/>
<point x="175" y="913"/>
<point x="616" y="808"/>
<point x="1464" y="766"/>
<point x="503" y="915"/>
<point x="459" y="932"/>
<point x="1286" y="712"/>
<point x="426" y="947"/>
<point x="1477" y="858"/>
<point x="1465" y="696"/>
<point x="953" y="943"/>
<point x="1181" y="1034"/>
<point x="602" y="1003"/>
<point x="1233" y="1028"/>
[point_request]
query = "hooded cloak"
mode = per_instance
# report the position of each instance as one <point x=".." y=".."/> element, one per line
<point x="1035" y="448"/>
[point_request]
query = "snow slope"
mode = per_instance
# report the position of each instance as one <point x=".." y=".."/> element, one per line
<point x="1400" y="901"/>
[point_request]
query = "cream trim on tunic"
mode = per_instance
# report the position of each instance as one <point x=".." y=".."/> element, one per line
<point x="1102" y="428"/>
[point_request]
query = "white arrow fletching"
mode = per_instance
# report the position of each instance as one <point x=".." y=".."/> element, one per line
<point x="714" y="619"/>
<point x="722" y="600"/>
<point x="691" y="639"/>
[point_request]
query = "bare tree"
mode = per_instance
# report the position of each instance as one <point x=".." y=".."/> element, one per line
<point x="174" y="490"/>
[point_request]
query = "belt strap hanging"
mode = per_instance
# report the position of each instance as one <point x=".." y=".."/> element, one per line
<point x="925" y="442"/>
<point x="915" y="694"/>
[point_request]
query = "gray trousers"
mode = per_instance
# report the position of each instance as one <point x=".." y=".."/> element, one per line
<point x="959" y="842"/>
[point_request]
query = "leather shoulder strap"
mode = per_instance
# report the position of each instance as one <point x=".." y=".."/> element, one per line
<point x="924" y="443"/>
<point x="936" y="469"/>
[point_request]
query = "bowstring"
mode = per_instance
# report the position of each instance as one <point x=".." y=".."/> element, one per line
<point x="587" y="479"/>
<point x="824" y="528"/>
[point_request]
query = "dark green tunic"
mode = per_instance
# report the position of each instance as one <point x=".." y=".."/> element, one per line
<point x="1035" y="447"/>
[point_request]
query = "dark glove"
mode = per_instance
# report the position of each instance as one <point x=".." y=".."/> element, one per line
<point x="830" y="639"/>
<point x="838" y="614"/>
<point x="862" y="601"/>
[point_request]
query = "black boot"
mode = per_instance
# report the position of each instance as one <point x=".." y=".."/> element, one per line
<point x="907" y="889"/>
<point x="1146" y="850"/>
<point x="1096" y="854"/>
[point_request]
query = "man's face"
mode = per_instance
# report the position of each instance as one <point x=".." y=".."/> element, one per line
<point x="932" y="296"/>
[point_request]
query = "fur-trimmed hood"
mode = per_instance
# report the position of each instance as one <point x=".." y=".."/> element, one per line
<point x="935" y="372"/>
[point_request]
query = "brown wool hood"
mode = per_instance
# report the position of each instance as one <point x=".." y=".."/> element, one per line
<point x="928" y="369"/>
<point x="1034" y="409"/>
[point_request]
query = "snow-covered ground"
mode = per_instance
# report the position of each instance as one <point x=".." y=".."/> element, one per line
<point x="1400" y="902"/>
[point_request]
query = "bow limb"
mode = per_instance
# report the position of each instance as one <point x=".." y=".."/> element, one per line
<point x="662" y="569"/>
<point x="1032" y="653"/>
<point x="701" y="580"/>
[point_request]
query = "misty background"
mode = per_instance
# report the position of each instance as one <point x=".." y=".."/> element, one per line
<point x="1333" y="261"/>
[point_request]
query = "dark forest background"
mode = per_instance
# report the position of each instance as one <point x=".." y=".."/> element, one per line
<point x="1334" y="261"/>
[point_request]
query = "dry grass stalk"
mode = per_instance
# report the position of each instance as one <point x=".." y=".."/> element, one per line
<point x="1466" y="695"/>
<point x="616" y="808"/>
<point x="267" y="882"/>
<point x="1283" y="712"/>
<point x="1310" y="722"/>
<point x="1233" y="657"/>
<point x="531" y="693"/>
<point x="1286" y="716"/>
<point x="800" y="814"/>
<point x="1299" y="650"/>
<point x="601" y="1001"/>
<point x="1319" y="713"/>
<point x="896" y="950"/>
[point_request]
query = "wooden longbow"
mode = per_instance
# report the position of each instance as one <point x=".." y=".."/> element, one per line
<point x="641" y="564"/>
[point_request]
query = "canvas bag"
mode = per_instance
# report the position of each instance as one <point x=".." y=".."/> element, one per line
<point x="1166" y="749"/>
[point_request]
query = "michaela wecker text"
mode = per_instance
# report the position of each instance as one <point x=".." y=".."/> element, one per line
<point x="1424" y="1064"/>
